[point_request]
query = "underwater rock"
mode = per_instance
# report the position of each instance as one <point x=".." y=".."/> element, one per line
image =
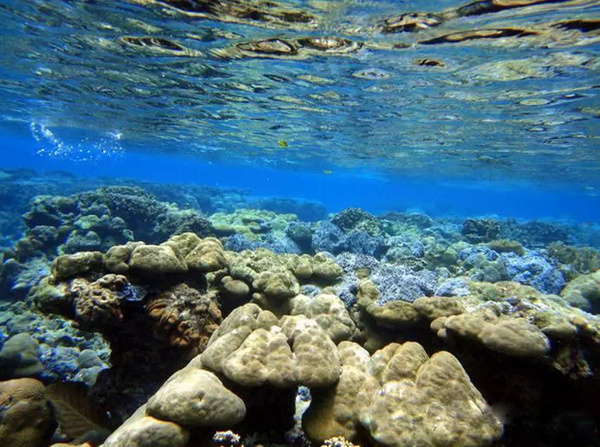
<point x="356" y="219"/>
<point x="97" y="220"/>
<point x="156" y="260"/>
<point x="17" y="279"/>
<point x="507" y="246"/>
<point x="328" y="237"/>
<point x="250" y="222"/>
<point x="69" y="266"/>
<point x="276" y="278"/>
<point x="277" y="244"/>
<point x="480" y="263"/>
<point x="207" y="255"/>
<point x="234" y="293"/>
<point x="361" y="242"/>
<point x="301" y="234"/>
<point x="402" y="283"/>
<point x="436" y="386"/>
<point x="406" y="249"/>
<point x="519" y="321"/>
<point x="392" y="314"/>
<point x="331" y="238"/>
<point x="453" y="287"/>
<point x="328" y="311"/>
<point x="392" y="282"/>
<point x="533" y="234"/>
<point x="418" y="220"/>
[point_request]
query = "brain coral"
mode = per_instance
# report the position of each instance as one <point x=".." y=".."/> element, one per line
<point x="184" y="316"/>
<point x="26" y="415"/>
<point x="98" y="302"/>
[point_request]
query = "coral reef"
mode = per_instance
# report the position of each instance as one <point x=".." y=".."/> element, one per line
<point x="97" y="220"/>
<point x="65" y="352"/>
<point x="574" y="261"/>
<point x="350" y="389"/>
<point x="355" y="219"/>
<point x="392" y="282"/>
<point x="480" y="230"/>
<point x="389" y="330"/>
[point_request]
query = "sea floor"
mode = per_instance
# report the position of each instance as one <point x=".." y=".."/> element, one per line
<point x="136" y="313"/>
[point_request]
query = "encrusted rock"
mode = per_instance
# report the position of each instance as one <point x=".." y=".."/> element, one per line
<point x="69" y="266"/>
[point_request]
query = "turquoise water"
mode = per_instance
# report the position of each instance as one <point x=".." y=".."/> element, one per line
<point x="393" y="205"/>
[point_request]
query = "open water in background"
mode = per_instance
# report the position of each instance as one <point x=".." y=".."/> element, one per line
<point x="166" y="91"/>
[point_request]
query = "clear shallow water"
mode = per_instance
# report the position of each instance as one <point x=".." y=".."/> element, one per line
<point x="314" y="99"/>
<point x="113" y="112"/>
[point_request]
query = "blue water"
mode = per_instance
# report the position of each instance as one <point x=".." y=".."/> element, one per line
<point x="506" y="127"/>
<point x="372" y="191"/>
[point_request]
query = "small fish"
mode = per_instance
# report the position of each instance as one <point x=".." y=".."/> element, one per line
<point x="284" y="143"/>
<point x="327" y="171"/>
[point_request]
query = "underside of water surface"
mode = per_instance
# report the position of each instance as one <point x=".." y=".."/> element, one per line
<point x="302" y="223"/>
